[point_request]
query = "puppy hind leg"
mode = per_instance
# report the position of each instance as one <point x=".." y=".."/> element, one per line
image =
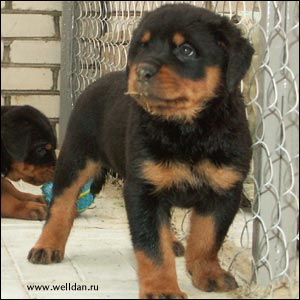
<point x="50" y="247"/>
<point x="178" y="247"/>
<point x="99" y="181"/>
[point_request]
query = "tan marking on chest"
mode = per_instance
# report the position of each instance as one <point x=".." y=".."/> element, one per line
<point x="164" y="176"/>
<point x="159" y="278"/>
<point x="219" y="178"/>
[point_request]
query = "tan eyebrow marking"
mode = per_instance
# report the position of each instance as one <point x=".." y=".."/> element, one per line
<point x="178" y="39"/>
<point x="146" y="37"/>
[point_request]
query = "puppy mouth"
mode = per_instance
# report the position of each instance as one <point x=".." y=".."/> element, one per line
<point x="43" y="176"/>
<point x="35" y="182"/>
<point x="148" y="95"/>
<point x="153" y="103"/>
<point x="151" y="91"/>
<point x="163" y="92"/>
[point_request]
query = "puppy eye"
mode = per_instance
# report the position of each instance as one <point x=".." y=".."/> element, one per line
<point x="185" y="51"/>
<point x="41" y="151"/>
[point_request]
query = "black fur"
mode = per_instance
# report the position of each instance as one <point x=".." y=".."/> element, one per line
<point x="111" y="128"/>
<point x="25" y="132"/>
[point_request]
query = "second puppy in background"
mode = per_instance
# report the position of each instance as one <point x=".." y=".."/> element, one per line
<point x="28" y="146"/>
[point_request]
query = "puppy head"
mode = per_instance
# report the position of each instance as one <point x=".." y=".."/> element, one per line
<point x="29" y="142"/>
<point x="181" y="57"/>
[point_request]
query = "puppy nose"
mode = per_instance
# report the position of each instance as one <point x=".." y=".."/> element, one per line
<point x="145" y="71"/>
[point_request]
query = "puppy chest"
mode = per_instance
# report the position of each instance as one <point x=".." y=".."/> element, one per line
<point x="166" y="175"/>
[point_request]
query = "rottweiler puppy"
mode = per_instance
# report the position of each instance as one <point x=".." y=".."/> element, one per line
<point x="28" y="147"/>
<point x="174" y="127"/>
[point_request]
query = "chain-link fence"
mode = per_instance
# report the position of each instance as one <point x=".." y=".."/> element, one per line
<point x="263" y="251"/>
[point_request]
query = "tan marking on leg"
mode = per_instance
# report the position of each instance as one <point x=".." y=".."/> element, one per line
<point x="12" y="207"/>
<point x="201" y="256"/>
<point x="201" y="240"/>
<point x="62" y="213"/>
<point x="157" y="279"/>
<point x="8" y="188"/>
<point x="18" y="205"/>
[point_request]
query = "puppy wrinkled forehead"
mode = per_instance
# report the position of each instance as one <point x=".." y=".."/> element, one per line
<point x="178" y="24"/>
<point x="175" y="16"/>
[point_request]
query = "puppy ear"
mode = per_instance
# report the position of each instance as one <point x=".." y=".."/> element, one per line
<point x="15" y="136"/>
<point x="238" y="49"/>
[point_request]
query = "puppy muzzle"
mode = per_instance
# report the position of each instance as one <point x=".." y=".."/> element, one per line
<point x="145" y="71"/>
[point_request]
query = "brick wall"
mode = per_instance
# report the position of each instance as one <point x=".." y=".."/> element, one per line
<point x="30" y="55"/>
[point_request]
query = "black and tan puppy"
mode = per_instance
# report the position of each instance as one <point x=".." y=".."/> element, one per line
<point x="174" y="128"/>
<point x="27" y="152"/>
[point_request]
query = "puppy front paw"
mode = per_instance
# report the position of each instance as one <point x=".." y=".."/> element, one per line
<point x="45" y="256"/>
<point x="33" y="211"/>
<point x="156" y="295"/>
<point x="215" y="282"/>
<point x="210" y="277"/>
<point x="38" y="198"/>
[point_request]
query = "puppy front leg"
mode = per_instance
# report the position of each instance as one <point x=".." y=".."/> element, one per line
<point x="50" y="247"/>
<point x="13" y="207"/>
<point x="152" y="242"/>
<point x="207" y="233"/>
<point x="9" y="188"/>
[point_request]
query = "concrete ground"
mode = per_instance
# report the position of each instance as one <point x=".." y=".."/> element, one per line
<point x="99" y="256"/>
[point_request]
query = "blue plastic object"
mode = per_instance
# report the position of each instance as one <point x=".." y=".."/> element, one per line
<point x="85" y="198"/>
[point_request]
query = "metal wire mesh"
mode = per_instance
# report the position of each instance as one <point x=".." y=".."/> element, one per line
<point x="263" y="239"/>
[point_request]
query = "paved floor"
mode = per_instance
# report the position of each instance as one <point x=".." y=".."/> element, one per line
<point x="99" y="256"/>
